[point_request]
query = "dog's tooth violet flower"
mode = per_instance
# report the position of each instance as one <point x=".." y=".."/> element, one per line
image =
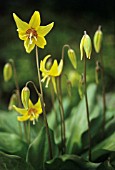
<point x="32" y="113"/>
<point x="86" y="46"/>
<point x="32" y="33"/>
<point x="51" y="73"/>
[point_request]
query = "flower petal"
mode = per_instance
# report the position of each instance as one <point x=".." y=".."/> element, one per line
<point x="54" y="84"/>
<point x="44" y="30"/>
<point x="54" y="69"/>
<point x="38" y="106"/>
<point x="22" y="35"/>
<point x="21" y="25"/>
<point x="41" y="42"/>
<point x="35" y="20"/>
<point x="42" y="65"/>
<point x="60" y="67"/>
<point x="30" y="104"/>
<point x="29" y="47"/>
<point x="23" y="118"/>
<point x="19" y="110"/>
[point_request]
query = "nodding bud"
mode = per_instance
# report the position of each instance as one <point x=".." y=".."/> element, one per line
<point x="25" y="95"/>
<point x="98" y="40"/>
<point x="72" y="57"/>
<point x="13" y="101"/>
<point x="85" y="46"/>
<point x="49" y="63"/>
<point x="7" y="72"/>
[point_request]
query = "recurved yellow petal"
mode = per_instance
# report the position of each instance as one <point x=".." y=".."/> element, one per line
<point x="43" y="63"/>
<point x="21" y="25"/>
<point x="60" y="67"/>
<point x="23" y="118"/>
<point x="38" y="106"/>
<point x="54" y="69"/>
<point x="30" y="104"/>
<point x="44" y="30"/>
<point x="19" y="110"/>
<point x="35" y="20"/>
<point x="29" y="47"/>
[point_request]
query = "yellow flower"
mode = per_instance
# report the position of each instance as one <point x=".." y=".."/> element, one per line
<point x="51" y="73"/>
<point x="32" y="33"/>
<point x="85" y="46"/>
<point x="31" y="113"/>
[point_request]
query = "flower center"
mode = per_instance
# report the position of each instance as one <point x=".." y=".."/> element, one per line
<point x="32" y="112"/>
<point x="32" y="33"/>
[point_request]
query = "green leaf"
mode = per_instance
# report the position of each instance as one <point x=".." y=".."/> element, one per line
<point x="105" y="147"/>
<point x="70" y="162"/>
<point x="38" y="151"/>
<point x="105" y="166"/>
<point x="12" y="144"/>
<point x="76" y="124"/>
<point x="8" y="122"/>
<point x="11" y="162"/>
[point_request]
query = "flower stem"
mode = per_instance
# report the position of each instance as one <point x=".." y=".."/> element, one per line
<point x="63" y="49"/>
<point x="17" y="92"/>
<point x="103" y="96"/>
<point x="59" y="96"/>
<point x="87" y="108"/>
<point x="16" y="82"/>
<point x="43" y="107"/>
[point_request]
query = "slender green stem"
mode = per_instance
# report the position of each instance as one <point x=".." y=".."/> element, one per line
<point x="43" y="107"/>
<point x="29" y="136"/>
<point x="59" y="97"/>
<point x="87" y="108"/>
<point x="63" y="49"/>
<point x="103" y="95"/>
<point x="16" y="82"/>
<point x="53" y="100"/>
<point x="17" y="92"/>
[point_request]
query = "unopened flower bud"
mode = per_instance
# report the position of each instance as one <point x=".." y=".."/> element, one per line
<point x="7" y="72"/>
<point x="13" y="101"/>
<point x="72" y="57"/>
<point x="49" y="63"/>
<point x="85" y="45"/>
<point x="97" y="40"/>
<point x="25" y="95"/>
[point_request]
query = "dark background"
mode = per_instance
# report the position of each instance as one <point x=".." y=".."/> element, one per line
<point x="71" y="18"/>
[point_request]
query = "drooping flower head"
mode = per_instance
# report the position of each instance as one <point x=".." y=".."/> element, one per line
<point x="32" y="33"/>
<point x="32" y="113"/>
<point x="51" y="73"/>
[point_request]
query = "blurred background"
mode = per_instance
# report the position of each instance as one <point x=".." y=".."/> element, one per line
<point x="71" y="18"/>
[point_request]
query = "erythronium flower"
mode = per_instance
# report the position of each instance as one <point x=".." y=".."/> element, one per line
<point x="32" y="33"/>
<point x="32" y="113"/>
<point x="51" y="73"/>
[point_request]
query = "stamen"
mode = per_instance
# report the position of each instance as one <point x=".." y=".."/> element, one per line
<point x="35" y="38"/>
<point x="44" y="79"/>
<point x="30" y="37"/>
<point x="47" y="82"/>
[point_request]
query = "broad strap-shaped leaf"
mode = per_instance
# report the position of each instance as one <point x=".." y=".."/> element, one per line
<point x="70" y="162"/>
<point x="38" y="151"/>
<point x="12" y="162"/>
<point x="107" y="146"/>
<point x="77" y="122"/>
<point x="8" y="122"/>
<point x="12" y="144"/>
